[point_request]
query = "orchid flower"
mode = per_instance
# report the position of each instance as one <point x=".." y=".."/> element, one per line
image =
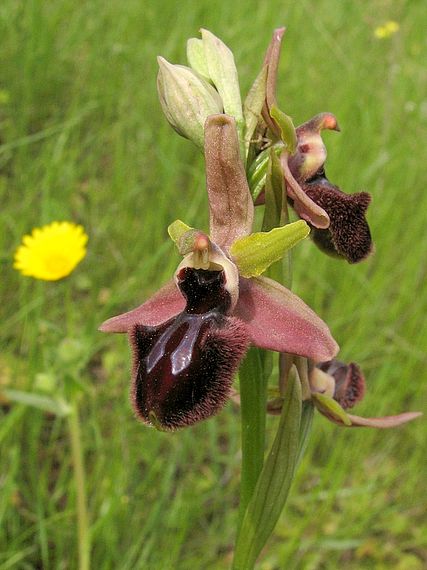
<point x="188" y="339"/>
<point x="338" y="222"/>
<point x="337" y="386"/>
<point x="334" y="387"/>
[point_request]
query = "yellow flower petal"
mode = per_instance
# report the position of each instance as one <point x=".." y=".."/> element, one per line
<point x="51" y="252"/>
<point x="386" y="30"/>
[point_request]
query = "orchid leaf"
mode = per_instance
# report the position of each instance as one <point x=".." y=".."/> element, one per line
<point x="252" y="106"/>
<point x="254" y="253"/>
<point x="329" y="407"/>
<point x="307" y="415"/>
<point x="197" y="58"/>
<point x="182" y="236"/>
<point x="274" y="482"/>
<point x="223" y="73"/>
<point x="287" y="128"/>
<point x="258" y="169"/>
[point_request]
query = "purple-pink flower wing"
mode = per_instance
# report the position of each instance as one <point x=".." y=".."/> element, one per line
<point x="276" y="319"/>
<point x="163" y="305"/>
<point x="384" y="422"/>
<point x="303" y="204"/>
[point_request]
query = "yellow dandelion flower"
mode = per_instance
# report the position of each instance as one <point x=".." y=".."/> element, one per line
<point x="386" y="30"/>
<point x="51" y="252"/>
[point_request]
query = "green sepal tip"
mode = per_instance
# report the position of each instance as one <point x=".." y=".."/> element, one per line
<point x="330" y="407"/>
<point x="182" y="236"/>
<point x="286" y="126"/>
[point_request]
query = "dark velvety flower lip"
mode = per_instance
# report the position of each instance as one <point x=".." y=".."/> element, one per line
<point x="348" y="234"/>
<point x="183" y="368"/>
<point x="350" y="385"/>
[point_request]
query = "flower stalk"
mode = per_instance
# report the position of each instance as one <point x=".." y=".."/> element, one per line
<point x="253" y="400"/>
<point x="83" y="535"/>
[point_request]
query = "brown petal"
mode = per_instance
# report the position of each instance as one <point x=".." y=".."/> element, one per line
<point x="276" y="319"/>
<point x="272" y="62"/>
<point x="305" y="207"/>
<point x="231" y="208"/>
<point x="348" y="234"/>
<point x="163" y="305"/>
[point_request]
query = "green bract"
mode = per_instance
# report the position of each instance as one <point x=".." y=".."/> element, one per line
<point x="253" y="254"/>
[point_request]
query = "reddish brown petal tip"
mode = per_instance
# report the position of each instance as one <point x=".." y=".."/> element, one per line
<point x="384" y="422"/>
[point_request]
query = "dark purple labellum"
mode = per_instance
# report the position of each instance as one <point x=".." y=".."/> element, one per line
<point x="183" y="368"/>
<point x="349" y="382"/>
<point x="348" y="235"/>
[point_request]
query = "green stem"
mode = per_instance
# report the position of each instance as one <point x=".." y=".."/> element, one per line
<point x="253" y="399"/>
<point x="273" y="484"/>
<point x="79" y="478"/>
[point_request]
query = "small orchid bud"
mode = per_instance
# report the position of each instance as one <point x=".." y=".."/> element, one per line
<point x="186" y="99"/>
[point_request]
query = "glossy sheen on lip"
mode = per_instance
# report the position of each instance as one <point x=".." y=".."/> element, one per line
<point x="183" y="368"/>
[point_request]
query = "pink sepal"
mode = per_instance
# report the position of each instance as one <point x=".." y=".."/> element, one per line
<point x="276" y="319"/>
<point x="162" y="306"/>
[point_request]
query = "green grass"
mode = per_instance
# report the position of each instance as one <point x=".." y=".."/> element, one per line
<point x="83" y="139"/>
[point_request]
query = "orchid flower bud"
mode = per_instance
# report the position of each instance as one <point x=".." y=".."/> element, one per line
<point x="187" y="99"/>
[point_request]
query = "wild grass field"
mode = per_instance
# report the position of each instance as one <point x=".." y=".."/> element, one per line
<point x="83" y="139"/>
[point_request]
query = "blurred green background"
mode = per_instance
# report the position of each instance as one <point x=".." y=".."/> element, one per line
<point x="83" y="139"/>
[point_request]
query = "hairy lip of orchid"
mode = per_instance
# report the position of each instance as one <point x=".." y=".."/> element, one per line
<point x="189" y="338"/>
